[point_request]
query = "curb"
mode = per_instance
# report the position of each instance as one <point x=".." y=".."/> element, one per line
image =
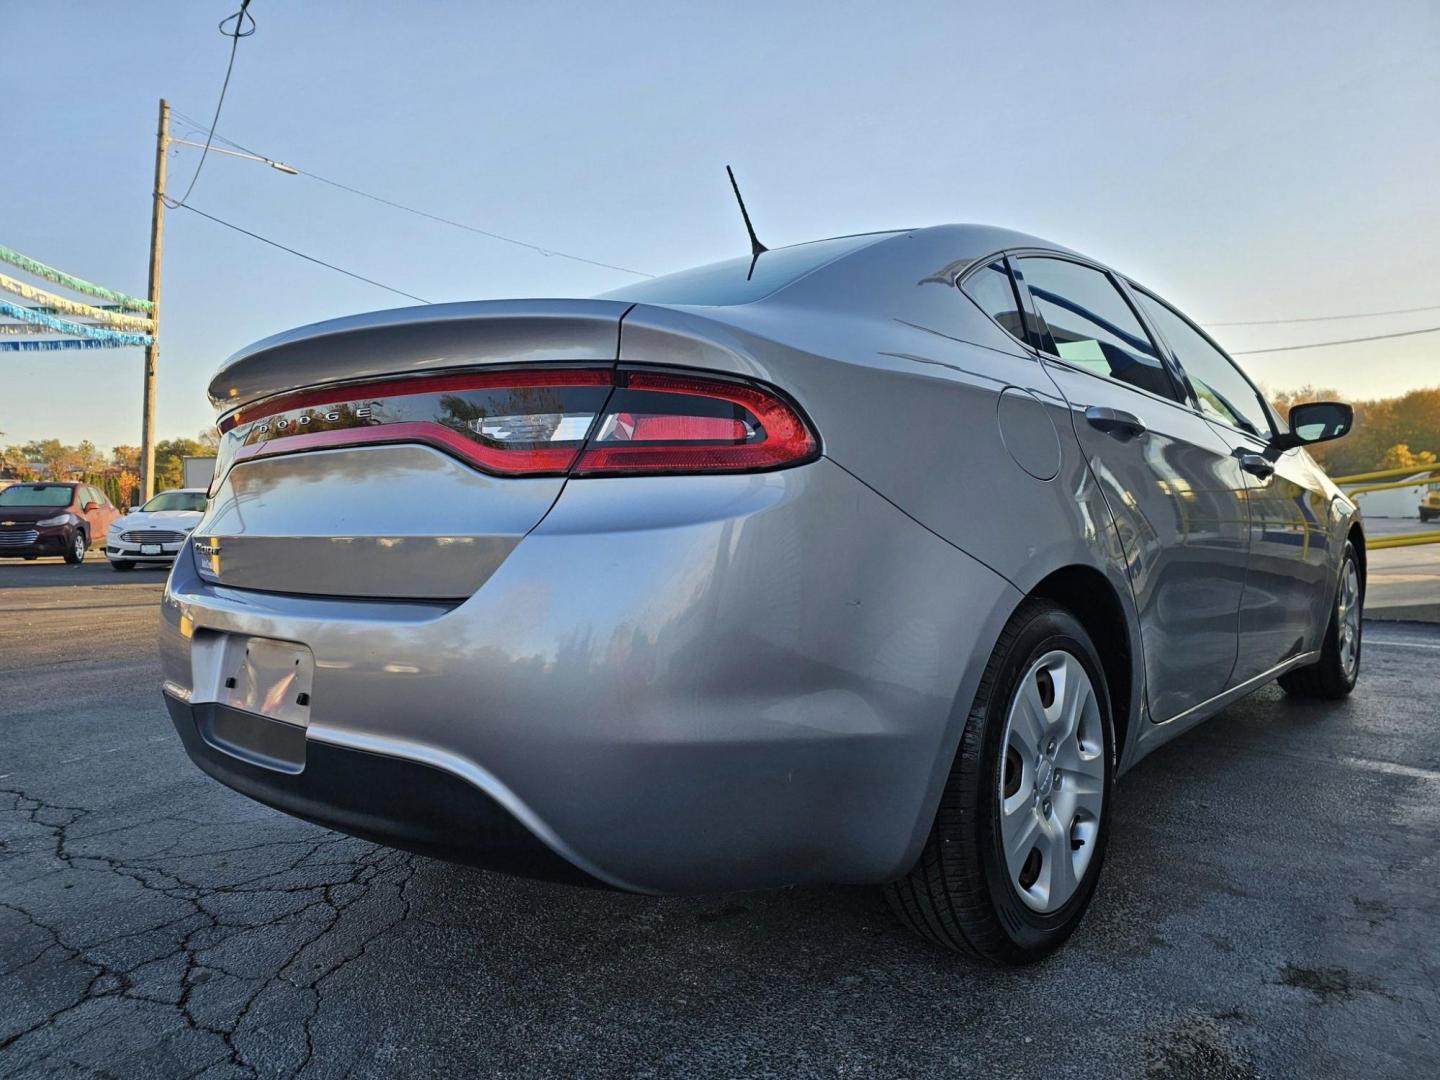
<point x="1425" y="612"/>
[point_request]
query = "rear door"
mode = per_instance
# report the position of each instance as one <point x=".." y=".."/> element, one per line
<point x="89" y="505"/>
<point x="105" y="514"/>
<point x="1292" y="562"/>
<point x="1176" y="493"/>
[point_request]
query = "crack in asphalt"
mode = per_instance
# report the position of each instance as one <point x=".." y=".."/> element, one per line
<point x="201" y="930"/>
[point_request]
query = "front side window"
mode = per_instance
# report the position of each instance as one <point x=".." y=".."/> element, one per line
<point x="37" y="495"/>
<point x="1090" y="325"/>
<point x="1224" y="393"/>
<point x="991" y="288"/>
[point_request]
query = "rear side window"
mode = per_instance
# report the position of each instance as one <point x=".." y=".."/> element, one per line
<point x="993" y="291"/>
<point x="1089" y="324"/>
<point x="1224" y="393"/>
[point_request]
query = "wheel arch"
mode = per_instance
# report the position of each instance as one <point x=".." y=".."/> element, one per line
<point x="1088" y="594"/>
<point x="1356" y="536"/>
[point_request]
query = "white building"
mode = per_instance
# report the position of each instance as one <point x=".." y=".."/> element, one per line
<point x="1395" y="503"/>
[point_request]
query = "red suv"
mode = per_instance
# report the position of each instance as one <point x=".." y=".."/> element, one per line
<point x="53" y="519"/>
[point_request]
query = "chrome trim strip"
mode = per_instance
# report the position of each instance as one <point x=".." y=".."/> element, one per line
<point x="1225" y="697"/>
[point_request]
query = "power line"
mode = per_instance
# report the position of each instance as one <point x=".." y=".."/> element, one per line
<point x="537" y="248"/>
<point x="1327" y="318"/>
<point x="1346" y="341"/>
<point x="234" y="36"/>
<point x="301" y="254"/>
<point x="547" y="252"/>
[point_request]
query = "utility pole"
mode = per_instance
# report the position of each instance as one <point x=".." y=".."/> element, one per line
<point x="152" y="351"/>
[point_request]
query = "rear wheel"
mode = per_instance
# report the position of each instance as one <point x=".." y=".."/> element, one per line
<point x="1013" y="857"/>
<point x="1335" y="673"/>
<point x="75" y="553"/>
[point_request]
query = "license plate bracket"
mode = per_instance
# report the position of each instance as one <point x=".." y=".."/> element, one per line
<point x="258" y="675"/>
<point x="151" y="549"/>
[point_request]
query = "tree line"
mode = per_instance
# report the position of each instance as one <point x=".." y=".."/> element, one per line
<point x="116" y="473"/>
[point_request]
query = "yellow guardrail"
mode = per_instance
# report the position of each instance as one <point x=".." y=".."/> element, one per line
<point x="1386" y="474"/>
<point x="1415" y="476"/>
<point x="1386" y="487"/>
<point x="1404" y="540"/>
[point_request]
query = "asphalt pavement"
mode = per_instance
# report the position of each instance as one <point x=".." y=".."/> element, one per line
<point x="1269" y="908"/>
<point x="1404" y="582"/>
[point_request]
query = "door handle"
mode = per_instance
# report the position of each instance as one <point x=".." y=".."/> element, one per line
<point x="1115" y="422"/>
<point x="1257" y="465"/>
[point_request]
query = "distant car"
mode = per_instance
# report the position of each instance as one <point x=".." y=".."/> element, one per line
<point x="52" y="519"/>
<point x="155" y="532"/>
<point x="1430" y="503"/>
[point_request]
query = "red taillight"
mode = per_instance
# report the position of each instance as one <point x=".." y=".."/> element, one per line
<point x="539" y="421"/>
<point x="663" y="423"/>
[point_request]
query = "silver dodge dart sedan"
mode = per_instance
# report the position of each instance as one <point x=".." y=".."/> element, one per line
<point x="874" y="559"/>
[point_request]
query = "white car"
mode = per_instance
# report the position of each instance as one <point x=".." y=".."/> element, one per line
<point x="155" y="532"/>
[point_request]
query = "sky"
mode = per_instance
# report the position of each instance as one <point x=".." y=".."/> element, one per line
<point x="1246" y="161"/>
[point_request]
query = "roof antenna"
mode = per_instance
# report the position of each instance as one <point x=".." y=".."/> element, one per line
<point x="756" y="247"/>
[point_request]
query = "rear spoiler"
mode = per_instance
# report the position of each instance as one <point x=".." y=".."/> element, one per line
<point x="413" y="340"/>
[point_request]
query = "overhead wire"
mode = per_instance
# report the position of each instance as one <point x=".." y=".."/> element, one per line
<point x="301" y="254"/>
<point x="552" y="252"/>
<point x="1345" y="341"/>
<point x="239" y="32"/>
<point x="539" y="249"/>
<point x="1326" y="318"/>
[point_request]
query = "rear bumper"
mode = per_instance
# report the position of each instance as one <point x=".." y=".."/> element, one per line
<point x="389" y="800"/>
<point x="674" y="684"/>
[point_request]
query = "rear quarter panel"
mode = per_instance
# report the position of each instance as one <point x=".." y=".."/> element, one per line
<point x="909" y="403"/>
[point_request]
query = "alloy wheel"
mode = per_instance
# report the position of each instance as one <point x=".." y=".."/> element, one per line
<point x="1052" y="781"/>
<point x="1347" y="616"/>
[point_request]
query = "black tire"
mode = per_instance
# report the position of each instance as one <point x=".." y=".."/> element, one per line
<point x="1425" y="516"/>
<point x="1328" y="678"/>
<point x="76" y="549"/>
<point x="959" y="895"/>
<point x="121" y="564"/>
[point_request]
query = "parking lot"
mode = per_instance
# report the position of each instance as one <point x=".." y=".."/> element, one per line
<point x="1269" y="908"/>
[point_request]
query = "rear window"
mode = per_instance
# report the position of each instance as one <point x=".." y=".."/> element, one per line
<point x="735" y="281"/>
<point x="36" y="495"/>
<point x="176" y="500"/>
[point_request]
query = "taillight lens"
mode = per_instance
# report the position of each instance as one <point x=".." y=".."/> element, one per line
<point x="663" y="423"/>
<point x="535" y="422"/>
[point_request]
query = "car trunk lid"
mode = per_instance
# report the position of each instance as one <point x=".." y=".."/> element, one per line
<point x="360" y="457"/>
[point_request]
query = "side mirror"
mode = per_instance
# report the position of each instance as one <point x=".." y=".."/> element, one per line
<point x="91" y="505"/>
<point x="132" y="509"/>
<point x="1316" y="422"/>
